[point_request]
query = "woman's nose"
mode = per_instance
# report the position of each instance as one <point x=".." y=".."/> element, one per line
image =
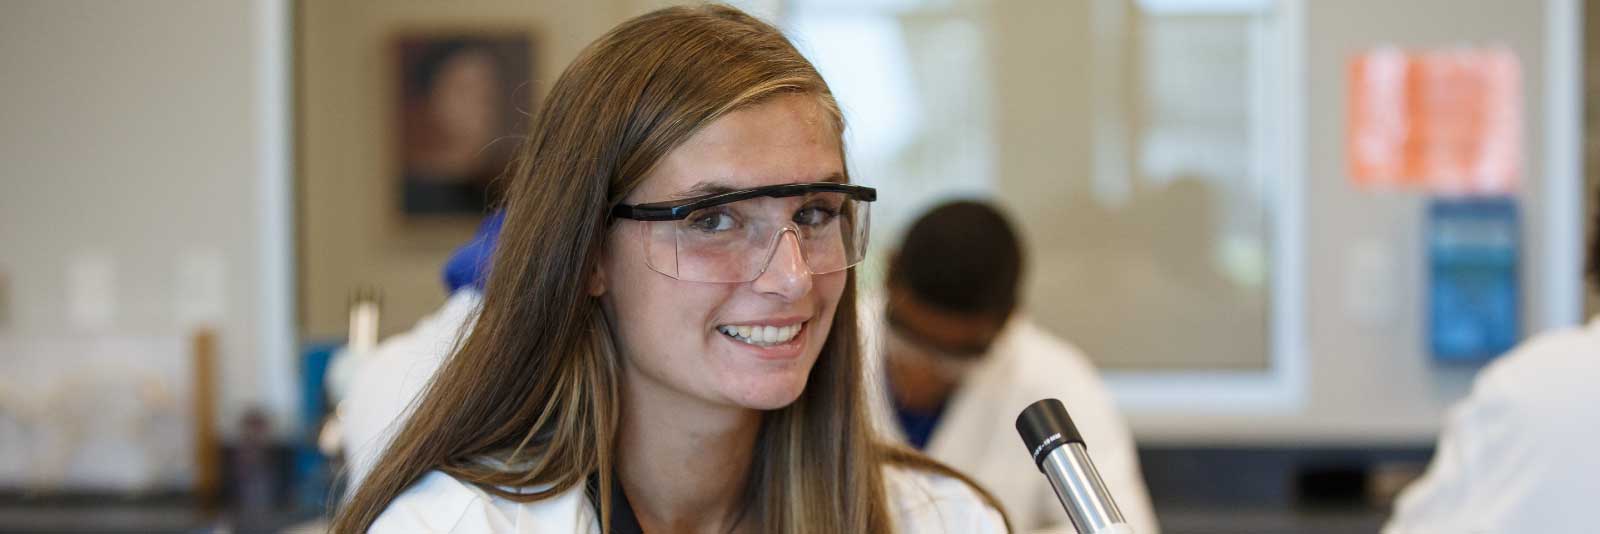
<point x="786" y="274"/>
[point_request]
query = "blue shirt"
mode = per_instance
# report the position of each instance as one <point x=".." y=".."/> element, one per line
<point x="469" y="266"/>
<point x="917" y="425"/>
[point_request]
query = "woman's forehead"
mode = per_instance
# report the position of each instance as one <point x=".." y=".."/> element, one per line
<point x="787" y="140"/>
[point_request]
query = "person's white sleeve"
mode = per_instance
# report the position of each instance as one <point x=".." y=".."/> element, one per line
<point x="926" y="503"/>
<point x="398" y="370"/>
<point x="1517" y="454"/>
<point x="440" y="504"/>
<point x="1438" y="502"/>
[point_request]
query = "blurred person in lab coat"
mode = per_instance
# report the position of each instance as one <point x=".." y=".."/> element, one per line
<point x="960" y="363"/>
<point x="385" y="382"/>
<point x="1517" y="455"/>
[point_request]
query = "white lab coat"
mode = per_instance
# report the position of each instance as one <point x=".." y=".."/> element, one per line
<point x="1518" y="454"/>
<point x="921" y="503"/>
<point x="977" y="434"/>
<point x="387" y="381"/>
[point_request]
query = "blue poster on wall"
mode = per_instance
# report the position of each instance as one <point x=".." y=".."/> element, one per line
<point x="1473" y="289"/>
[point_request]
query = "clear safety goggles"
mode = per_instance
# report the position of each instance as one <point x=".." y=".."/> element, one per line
<point x="731" y="237"/>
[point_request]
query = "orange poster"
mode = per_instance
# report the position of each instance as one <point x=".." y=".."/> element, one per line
<point x="1442" y="121"/>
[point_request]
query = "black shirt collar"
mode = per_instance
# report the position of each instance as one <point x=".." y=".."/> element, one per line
<point x="622" y="519"/>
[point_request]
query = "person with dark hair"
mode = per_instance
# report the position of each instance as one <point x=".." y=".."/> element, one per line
<point x="1517" y="455"/>
<point x="960" y="362"/>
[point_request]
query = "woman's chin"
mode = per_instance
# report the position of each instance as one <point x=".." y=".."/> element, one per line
<point x="769" y="393"/>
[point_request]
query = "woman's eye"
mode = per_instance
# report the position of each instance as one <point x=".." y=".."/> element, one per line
<point x="815" y="215"/>
<point x="711" y="222"/>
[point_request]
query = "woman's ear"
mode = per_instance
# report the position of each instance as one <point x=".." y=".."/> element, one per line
<point x="597" y="279"/>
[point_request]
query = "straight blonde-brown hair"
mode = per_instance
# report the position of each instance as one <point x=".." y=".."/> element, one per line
<point x="528" y="406"/>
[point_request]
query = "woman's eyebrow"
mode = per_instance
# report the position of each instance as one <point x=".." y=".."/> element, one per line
<point x="703" y="189"/>
<point x="708" y="187"/>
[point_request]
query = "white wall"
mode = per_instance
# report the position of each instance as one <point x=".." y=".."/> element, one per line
<point x="145" y="190"/>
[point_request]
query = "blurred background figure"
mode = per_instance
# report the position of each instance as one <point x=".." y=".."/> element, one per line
<point x="1517" y="455"/>
<point x="385" y="382"/>
<point x="960" y="361"/>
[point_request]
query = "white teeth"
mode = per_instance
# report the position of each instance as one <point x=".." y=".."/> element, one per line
<point x="761" y="335"/>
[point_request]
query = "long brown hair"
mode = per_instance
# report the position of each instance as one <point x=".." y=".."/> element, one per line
<point x="530" y="401"/>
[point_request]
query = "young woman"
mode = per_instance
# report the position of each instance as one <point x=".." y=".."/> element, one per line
<point x="668" y="336"/>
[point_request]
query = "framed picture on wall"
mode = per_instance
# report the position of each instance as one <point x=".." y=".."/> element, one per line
<point x="464" y="98"/>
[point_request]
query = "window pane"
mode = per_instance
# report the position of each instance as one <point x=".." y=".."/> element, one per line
<point x="1131" y="140"/>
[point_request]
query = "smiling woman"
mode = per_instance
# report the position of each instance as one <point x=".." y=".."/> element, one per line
<point x="668" y="340"/>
